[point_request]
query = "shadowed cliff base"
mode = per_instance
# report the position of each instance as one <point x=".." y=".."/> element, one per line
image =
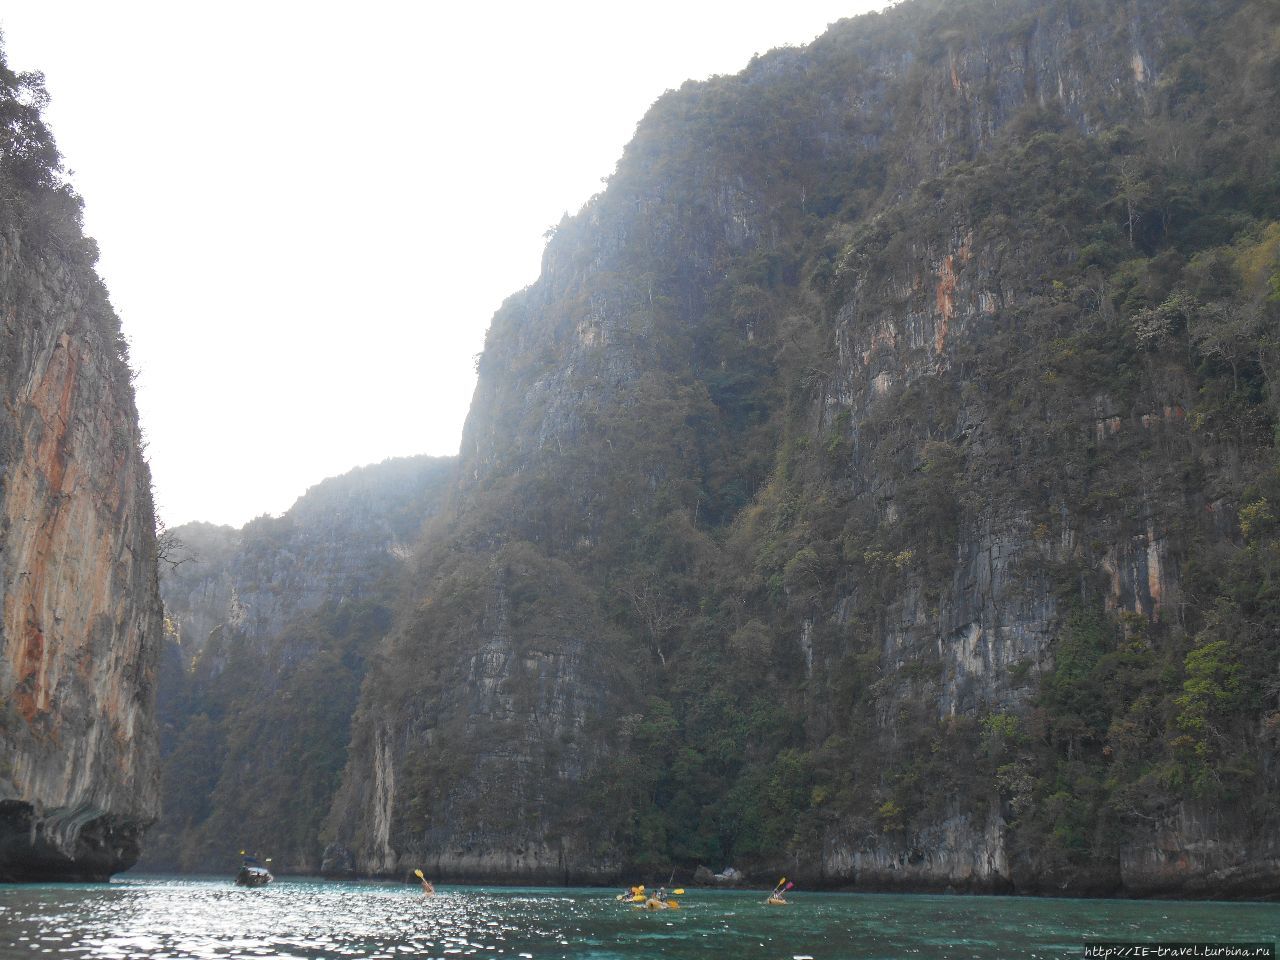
<point x="76" y="847"/>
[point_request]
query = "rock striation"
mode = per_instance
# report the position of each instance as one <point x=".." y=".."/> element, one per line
<point x="80" y="622"/>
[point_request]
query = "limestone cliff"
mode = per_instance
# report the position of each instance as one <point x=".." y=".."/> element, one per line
<point x="268" y="630"/>
<point x="336" y="544"/>
<point x="875" y="483"/>
<point x="81" y="619"/>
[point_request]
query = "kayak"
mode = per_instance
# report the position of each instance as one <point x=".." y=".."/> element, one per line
<point x="776" y="902"/>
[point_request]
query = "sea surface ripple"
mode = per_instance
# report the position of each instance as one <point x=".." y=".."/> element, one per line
<point x="203" y="919"/>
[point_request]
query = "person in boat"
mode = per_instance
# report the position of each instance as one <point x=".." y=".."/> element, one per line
<point x="428" y="888"/>
<point x="252" y="873"/>
<point x="776" y="898"/>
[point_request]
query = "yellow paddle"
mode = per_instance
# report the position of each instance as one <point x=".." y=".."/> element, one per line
<point x="418" y="874"/>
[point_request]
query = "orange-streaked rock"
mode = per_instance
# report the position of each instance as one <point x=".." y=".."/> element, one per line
<point x="80" y="611"/>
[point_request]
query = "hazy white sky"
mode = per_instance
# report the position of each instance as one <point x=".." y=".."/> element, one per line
<point x="309" y="211"/>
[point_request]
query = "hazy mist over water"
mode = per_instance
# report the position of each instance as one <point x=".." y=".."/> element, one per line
<point x="210" y="918"/>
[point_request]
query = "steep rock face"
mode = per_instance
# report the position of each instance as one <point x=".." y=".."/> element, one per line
<point x="268" y="629"/>
<point x="850" y="459"/>
<point x="81" y="620"/>
<point x="338" y="543"/>
<point x="1203" y="853"/>
<point x="497" y="734"/>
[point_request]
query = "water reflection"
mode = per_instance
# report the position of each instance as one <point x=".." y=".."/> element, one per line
<point x="183" y="919"/>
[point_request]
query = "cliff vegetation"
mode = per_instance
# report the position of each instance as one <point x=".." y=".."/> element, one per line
<point x="878" y="485"/>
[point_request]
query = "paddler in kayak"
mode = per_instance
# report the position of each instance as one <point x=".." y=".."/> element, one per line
<point x="776" y="898"/>
<point x="660" y="901"/>
<point x="428" y="889"/>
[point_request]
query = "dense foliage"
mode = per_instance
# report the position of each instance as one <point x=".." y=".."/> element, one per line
<point x="41" y="215"/>
<point x="37" y="198"/>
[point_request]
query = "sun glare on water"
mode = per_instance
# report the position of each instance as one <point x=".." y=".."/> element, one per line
<point x="206" y="919"/>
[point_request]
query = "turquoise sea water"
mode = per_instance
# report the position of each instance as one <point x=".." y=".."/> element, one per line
<point x="154" y="918"/>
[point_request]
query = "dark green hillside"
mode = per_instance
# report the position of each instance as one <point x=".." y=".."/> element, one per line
<point x="878" y="484"/>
